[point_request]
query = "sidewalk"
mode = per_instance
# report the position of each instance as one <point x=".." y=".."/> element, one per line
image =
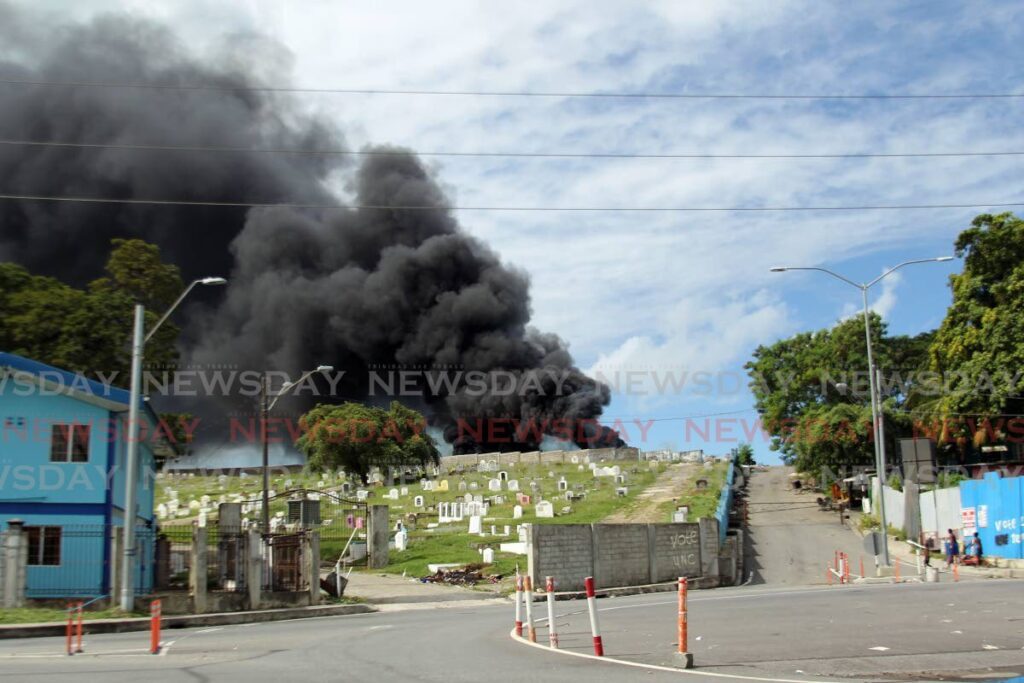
<point x="390" y="592"/>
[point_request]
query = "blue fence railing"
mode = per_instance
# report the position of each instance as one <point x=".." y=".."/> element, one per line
<point x="725" y="502"/>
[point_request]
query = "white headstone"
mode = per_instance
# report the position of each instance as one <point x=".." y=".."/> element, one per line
<point x="513" y="485"/>
<point x="401" y="540"/>
<point x="503" y="476"/>
<point x="563" y="485"/>
<point x="476" y="524"/>
<point x="405" y="491"/>
<point x="462" y="486"/>
<point x="544" y="509"/>
<point x="517" y="512"/>
<point x="488" y="555"/>
<point x="494" y="485"/>
<point x="417" y="501"/>
<point x="393" y="494"/>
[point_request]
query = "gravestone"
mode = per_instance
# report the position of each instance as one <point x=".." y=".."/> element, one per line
<point x="428" y="486"/>
<point x="393" y="494"/>
<point x="488" y="555"/>
<point x="473" y="486"/>
<point x="502" y="476"/>
<point x="563" y="485"/>
<point x="512" y="485"/>
<point x="462" y="486"/>
<point x="517" y="512"/>
<point x="476" y="524"/>
<point x="494" y="485"/>
<point x="405" y="490"/>
<point x="544" y="509"/>
<point x="401" y="540"/>
<point x="468" y="498"/>
<point x="417" y="501"/>
<point x="443" y="486"/>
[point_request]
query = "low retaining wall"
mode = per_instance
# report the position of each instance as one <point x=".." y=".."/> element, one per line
<point x="619" y="555"/>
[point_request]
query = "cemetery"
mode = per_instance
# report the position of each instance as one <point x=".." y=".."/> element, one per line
<point x="469" y="511"/>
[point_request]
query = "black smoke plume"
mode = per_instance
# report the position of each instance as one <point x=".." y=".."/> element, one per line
<point x="356" y="288"/>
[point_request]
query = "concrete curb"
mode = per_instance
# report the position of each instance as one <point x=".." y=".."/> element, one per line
<point x="184" y="621"/>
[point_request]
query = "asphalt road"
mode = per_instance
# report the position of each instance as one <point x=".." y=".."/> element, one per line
<point x="928" y="630"/>
<point x="789" y="539"/>
<point x="878" y="632"/>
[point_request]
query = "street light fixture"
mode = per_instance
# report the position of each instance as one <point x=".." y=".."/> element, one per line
<point x="139" y="339"/>
<point x="878" y="425"/>
<point x="266" y="405"/>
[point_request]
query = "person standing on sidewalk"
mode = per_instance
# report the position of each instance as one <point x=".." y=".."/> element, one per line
<point x="929" y="545"/>
<point x="952" y="549"/>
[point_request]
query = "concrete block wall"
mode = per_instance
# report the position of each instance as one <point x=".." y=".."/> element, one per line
<point x="471" y="460"/>
<point x="620" y="554"/>
<point x="564" y="551"/>
<point x="677" y="552"/>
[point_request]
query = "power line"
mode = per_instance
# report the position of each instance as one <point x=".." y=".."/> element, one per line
<point x="514" y="93"/>
<point x="549" y="155"/>
<point x="566" y="209"/>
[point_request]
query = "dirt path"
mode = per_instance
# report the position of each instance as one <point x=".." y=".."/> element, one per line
<point x="666" y="487"/>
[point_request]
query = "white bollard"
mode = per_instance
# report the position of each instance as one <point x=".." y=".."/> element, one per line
<point x="592" y="608"/>
<point x="528" y="596"/>
<point x="550" y="588"/>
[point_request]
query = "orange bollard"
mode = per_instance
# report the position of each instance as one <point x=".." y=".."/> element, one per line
<point x="81" y="608"/>
<point x="683" y="636"/>
<point x="71" y="617"/>
<point x="154" y="627"/>
<point x="896" y="570"/>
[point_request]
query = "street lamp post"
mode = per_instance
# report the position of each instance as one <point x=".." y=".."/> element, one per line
<point x="876" y="404"/>
<point x="139" y="339"/>
<point x="267" y="403"/>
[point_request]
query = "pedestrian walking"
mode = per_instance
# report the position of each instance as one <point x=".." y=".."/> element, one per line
<point x="929" y="545"/>
<point x="973" y="550"/>
<point x="952" y="548"/>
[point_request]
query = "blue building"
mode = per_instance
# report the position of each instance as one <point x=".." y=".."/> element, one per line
<point x="62" y="471"/>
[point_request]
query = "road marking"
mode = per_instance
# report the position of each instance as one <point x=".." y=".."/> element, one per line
<point x="655" y="667"/>
<point x="879" y="648"/>
<point x="990" y="647"/>
<point x="211" y="630"/>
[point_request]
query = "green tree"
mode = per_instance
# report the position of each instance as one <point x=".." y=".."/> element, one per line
<point x="89" y="331"/>
<point x="357" y="437"/>
<point x="745" y="454"/>
<point x="811" y="391"/>
<point x="979" y="347"/>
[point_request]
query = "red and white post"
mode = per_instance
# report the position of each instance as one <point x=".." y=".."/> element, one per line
<point x="549" y="586"/>
<point x="154" y="627"/>
<point x="531" y="633"/>
<point x="519" y="606"/>
<point x="682" y="654"/>
<point x="588" y="583"/>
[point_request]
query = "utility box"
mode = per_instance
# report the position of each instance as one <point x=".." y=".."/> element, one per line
<point x="918" y="460"/>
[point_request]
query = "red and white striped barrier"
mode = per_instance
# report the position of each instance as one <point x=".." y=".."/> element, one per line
<point x="519" y="606"/>
<point x="549" y="586"/>
<point x="592" y="608"/>
<point x="528" y="595"/>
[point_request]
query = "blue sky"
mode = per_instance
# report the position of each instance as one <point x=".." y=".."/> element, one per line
<point x="671" y="291"/>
